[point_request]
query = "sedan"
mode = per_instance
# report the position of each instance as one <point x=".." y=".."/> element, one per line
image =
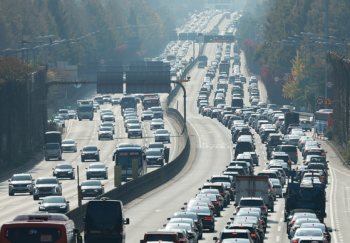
<point x="98" y="170"/>
<point x="154" y="157"/>
<point x="105" y="132"/>
<point x="108" y="116"/>
<point x="108" y="124"/>
<point x="64" y="171"/>
<point x="147" y="115"/>
<point x="92" y="188"/>
<point x="206" y="216"/>
<point x="69" y="145"/>
<point x="72" y="114"/>
<point x="162" y="135"/>
<point x="54" y="204"/>
<point x="193" y="235"/>
<point x="90" y="152"/>
<point x="134" y="130"/>
<point x="157" y="124"/>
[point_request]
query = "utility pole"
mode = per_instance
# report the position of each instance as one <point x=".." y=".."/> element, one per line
<point x="325" y="48"/>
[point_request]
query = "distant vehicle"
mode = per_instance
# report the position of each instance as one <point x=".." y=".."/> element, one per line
<point x="150" y="102"/>
<point x="69" y="145"/>
<point x="92" y="188"/>
<point x="72" y="114"/>
<point x="201" y="64"/>
<point x="54" y="204"/>
<point x="90" y="152"/>
<point x="97" y="170"/>
<point x="85" y="109"/>
<point x="21" y="183"/>
<point x="102" y="216"/>
<point x="323" y="120"/>
<point x="64" y="171"/>
<point x="47" y="186"/>
<point x="115" y="101"/>
<point x="128" y="102"/>
<point x="162" y="135"/>
<point x="203" y="59"/>
<point x="154" y="157"/>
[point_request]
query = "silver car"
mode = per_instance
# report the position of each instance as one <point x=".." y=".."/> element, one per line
<point x="106" y="133"/>
<point x="92" y="188"/>
<point x="276" y="187"/>
<point x="162" y="135"/>
<point x="108" y="124"/>
<point x="98" y="170"/>
<point x="47" y="186"/>
<point x="64" y="171"/>
<point x="69" y="145"/>
<point x="21" y="183"/>
<point x="134" y="130"/>
<point x="157" y="124"/>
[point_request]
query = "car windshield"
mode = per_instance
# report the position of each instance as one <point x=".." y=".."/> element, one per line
<point x="153" y="153"/>
<point x="71" y="111"/>
<point x="108" y="114"/>
<point x="53" y="200"/>
<point x="65" y="166"/>
<point x="308" y="225"/>
<point x="91" y="183"/>
<point x="156" y="145"/>
<point x="198" y="210"/>
<point x="157" y="109"/>
<point x="252" y="203"/>
<point x="90" y="149"/>
<point x="52" y="146"/>
<point x="147" y="112"/>
<point x="135" y="127"/>
<point x="162" y="132"/>
<point x="68" y="142"/>
<point x="21" y="178"/>
<point x="309" y="232"/>
<point x="96" y="166"/>
<point x="106" y="125"/>
<point x="157" y="120"/>
<point x="47" y="181"/>
<point x="105" y="129"/>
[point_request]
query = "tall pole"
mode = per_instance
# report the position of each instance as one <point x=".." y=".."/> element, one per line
<point x="325" y="48"/>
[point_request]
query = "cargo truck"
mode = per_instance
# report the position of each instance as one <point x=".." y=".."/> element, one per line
<point x="224" y="67"/>
<point x="203" y="59"/>
<point x="290" y="118"/>
<point x="254" y="186"/>
<point x="53" y="145"/>
<point x="85" y="109"/>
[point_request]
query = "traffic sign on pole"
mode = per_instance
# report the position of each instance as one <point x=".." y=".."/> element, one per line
<point x="319" y="101"/>
<point x="285" y="78"/>
<point x="329" y="85"/>
<point x="276" y="79"/>
<point x="328" y="101"/>
<point x="295" y="78"/>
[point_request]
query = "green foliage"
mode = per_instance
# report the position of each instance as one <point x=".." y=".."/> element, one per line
<point x="329" y="133"/>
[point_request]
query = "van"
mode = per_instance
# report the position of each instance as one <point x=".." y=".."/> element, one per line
<point x="306" y="125"/>
<point x="291" y="150"/>
<point x="53" y="150"/>
<point x="104" y="221"/>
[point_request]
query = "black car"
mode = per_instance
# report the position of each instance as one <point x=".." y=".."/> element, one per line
<point x="244" y="146"/>
<point x="155" y="157"/>
<point x="222" y="190"/>
<point x="256" y="234"/>
<point x="90" y="152"/>
<point x="214" y="113"/>
<point x="254" y="156"/>
<point x="54" y="204"/>
<point x="64" y="171"/>
<point x="92" y="188"/>
<point x="206" y="216"/>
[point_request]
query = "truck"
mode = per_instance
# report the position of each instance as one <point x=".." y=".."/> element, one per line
<point x="254" y="186"/>
<point x="305" y="196"/>
<point x="290" y="118"/>
<point x="224" y="67"/>
<point x="204" y="59"/>
<point x="85" y="109"/>
<point x="237" y="102"/>
<point x="53" y="145"/>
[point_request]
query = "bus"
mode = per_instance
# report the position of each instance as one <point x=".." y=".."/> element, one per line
<point x="150" y="102"/>
<point x="323" y="120"/>
<point x="104" y="221"/>
<point x="126" y="154"/>
<point x="144" y="96"/>
<point x="40" y="227"/>
<point x="128" y="102"/>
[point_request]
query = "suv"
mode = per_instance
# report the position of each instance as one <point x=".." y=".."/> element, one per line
<point x="21" y="183"/>
<point x="53" y="150"/>
<point x="306" y="125"/>
<point x="47" y="186"/>
<point x="282" y="156"/>
<point x="234" y="234"/>
<point x="253" y="202"/>
<point x="242" y="147"/>
<point x="291" y="150"/>
<point x="256" y="234"/>
<point x="254" y="156"/>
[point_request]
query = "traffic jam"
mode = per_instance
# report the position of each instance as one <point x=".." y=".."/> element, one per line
<point x="291" y="167"/>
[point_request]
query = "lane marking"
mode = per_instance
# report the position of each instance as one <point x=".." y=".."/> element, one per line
<point x="331" y="204"/>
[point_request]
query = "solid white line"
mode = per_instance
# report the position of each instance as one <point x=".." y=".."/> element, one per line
<point x="331" y="205"/>
<point x="277" y="238"/>
<point x="341" y="172"/>
<point x="199" y="138"/>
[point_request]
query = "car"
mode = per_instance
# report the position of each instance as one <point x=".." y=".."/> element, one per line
<point x="299" y="215"/>
<point x="104" y="111"/>
<point x="276" y="186"/>
<point x="134" y="130"/>
<point x="193" y="235"/>
<point x="72" y="114"/>
<point x="21" y="183"/>
<point x="157" y="145"/>
<point x="64" y="171"/>
<point x="309" y="235"/>
<point x="97" y="170"/>
<point x="96" y="106"/>
<point x="69" y="145"/>
<point x="92" y="188"/>
<point x="252" y="202"/>
<point x="162" y="135"/>
<point x="63" y="113"/>
<point x="157" y="124"/>
<point x="108" y="116"/>
<point x="298" y="223"/>
<point x="188" y="221"/>
<point x="326" y="231"/>
<point x="147" y="115"/>
<point x="157" y="112"/>
<point x="130" y="121"/>
<point x="53" y="150"/>
<point x="54" y="204"/>
<point x="105" y="133"/>
<point x="233" y="234"/>
<point x="108" y="124"/>
<point x="196" y="218"/>
<point x="291" y="150"/>
<point x="115" y="101"/>
<point x="106" y="98"/>
<point x="47" y="186"/>
<point x="90" y="152"/>
<point x="206" y="215"/>
<point x="256" y="234"/>
<point x="154" y="157"/>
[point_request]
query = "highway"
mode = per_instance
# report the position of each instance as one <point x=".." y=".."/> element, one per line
<point x="213" y="153"/>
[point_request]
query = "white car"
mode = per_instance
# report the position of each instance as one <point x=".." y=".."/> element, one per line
<point x="69" y="145"/>
<point x="105" y="132"/>
<point x="108" y="116"/>
<point x="276" y="186"/>
<point x="134" y="130"/>
<point x="157" y="124"/>
<point x="162" y="135"/>
<point x="109" y="125"/>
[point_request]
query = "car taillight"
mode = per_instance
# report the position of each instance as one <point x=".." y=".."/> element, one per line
<point x="278" y="123"/>
<point x="121" y="229"/>
<point x="273" y="189"/>
<point x="207" y="218"/>
<point x="323" y="154"/>
<point x="322" y="176"/>
<point x="302" y="143"/>
<point x="183" y="240"/>
<point x="297" y="154"/>
<point x="219" y="197"/>
<point x="288" y="161"/>
<point x="263" y="208"/>
<point x="211" y="207"/>
<point x="292" y="223"/>
<point x="238" y="208"/>
<point x="231" y="190"/>
<point x="295" y="241"/>
<point x="204" y="111"/>
<point x="320" y="179"/>
<point x="222" y="193"/>
<point x="325" y="235"/>
<point x="215" y="202"/>
<point x="260" y="222"/>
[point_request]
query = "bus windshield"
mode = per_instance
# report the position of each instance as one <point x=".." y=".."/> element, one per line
<point x="148" y="103"/>
<point x="125" y="159"/>
<point x="128" y="102"/>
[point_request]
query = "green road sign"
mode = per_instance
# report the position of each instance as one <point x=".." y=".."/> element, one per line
<point x="219" y="38"/>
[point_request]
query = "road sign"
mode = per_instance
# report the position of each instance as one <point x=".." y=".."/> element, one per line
<point x="219" y="38"/>
<point x="285" y="78"/>
<point x="319" y="101"/>
<point x="295" y="78"/>
<point x="183" y="80"/>
<point x="328" y="101"/>
<point x="286" y="74"/>
<point x="329" y="85"/>
<point x="276" y="79"/>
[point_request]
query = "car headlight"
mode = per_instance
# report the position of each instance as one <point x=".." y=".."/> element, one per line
<point x="42" y="207"/>
<point x="96" y="153"/>
<point x="29" y="185"/>
<point x="55" y="172"/>
<point x="82" y="190"/>
<point x="11" y="185"/>
<point x="96" y="190"/>
<point x="63" y="206"/>
<point x="69" y="172"/>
